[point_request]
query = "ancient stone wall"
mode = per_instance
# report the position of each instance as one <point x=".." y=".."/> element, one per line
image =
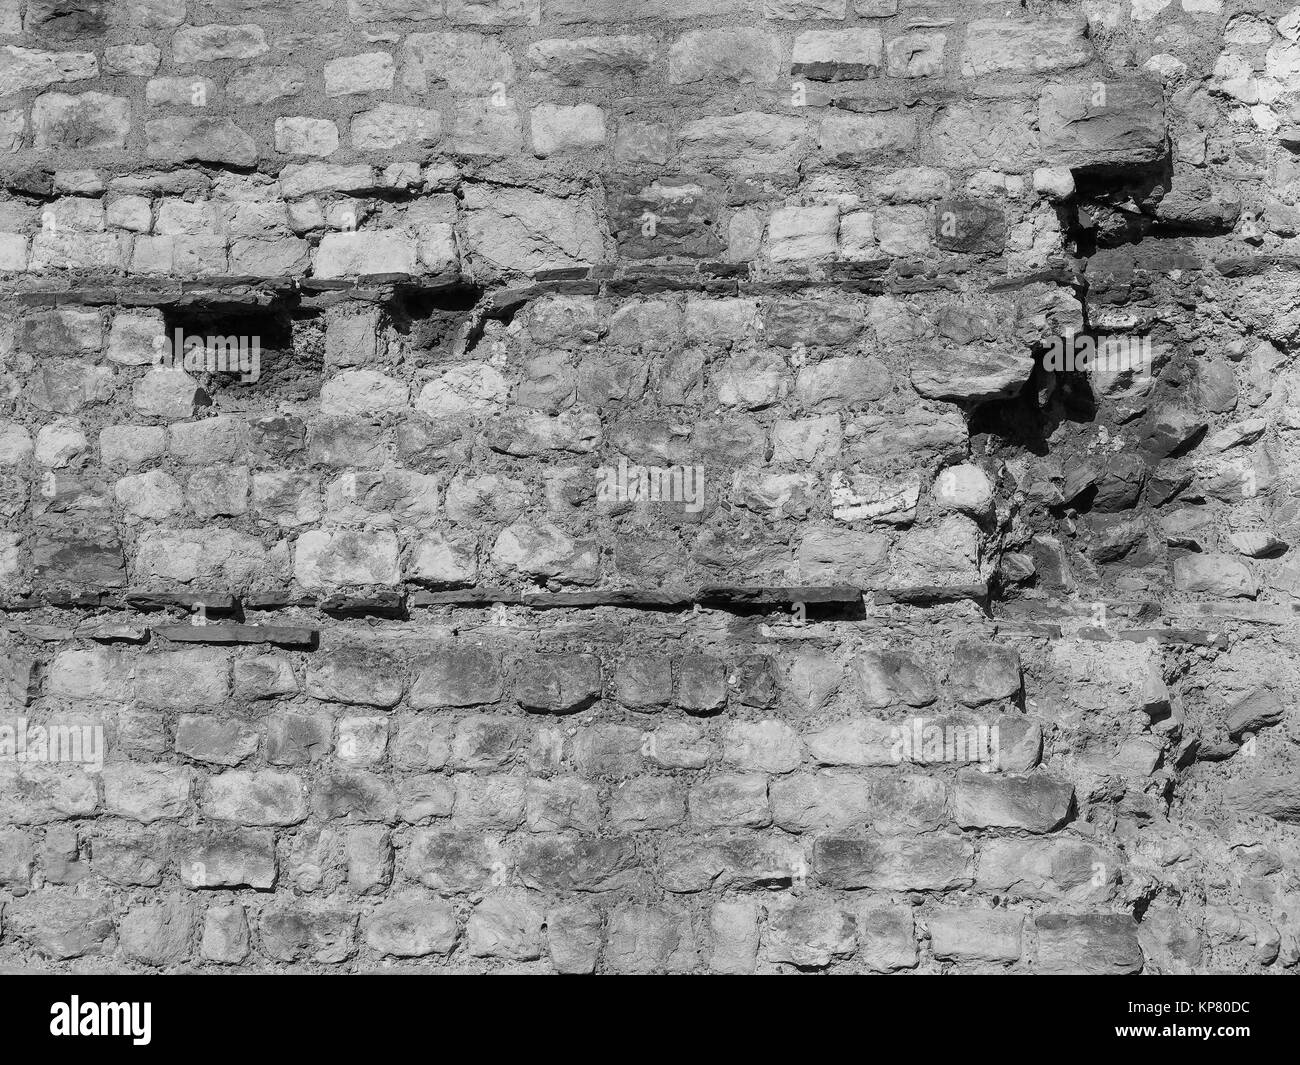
<point x="649" y="485"/>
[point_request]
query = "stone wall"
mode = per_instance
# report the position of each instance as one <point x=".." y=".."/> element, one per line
<point x="335" y="333"/>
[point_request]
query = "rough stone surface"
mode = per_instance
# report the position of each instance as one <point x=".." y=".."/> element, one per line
<point x="674" y="486"/>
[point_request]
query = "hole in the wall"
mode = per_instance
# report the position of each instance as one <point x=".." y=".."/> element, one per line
<point x="1081" y="503"/>
<point x="1115" y="207"/>
<point x="247" y="356"/>
<point x="432" y="319"/>
<point x="837" y="611"/>
<point x="719" y="600"/>
<point x="1020" y="423"/>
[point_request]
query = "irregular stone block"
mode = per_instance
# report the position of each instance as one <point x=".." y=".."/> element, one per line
<point x="1024" y="47"/>
<point x="1090" y="944"/>
<point x="1036" y="803"/>
<point x="1102" y="124"/>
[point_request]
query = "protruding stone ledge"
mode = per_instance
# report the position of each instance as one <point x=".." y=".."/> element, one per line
<point x="615" y="279"/>
<point x="932" y="594"/>
<point x="278" y="601"/>
<point x="1252" y="265"/>
<point x="395" y="604"/>
<point x="238" y="633"/>
<point x="1193" y="637"/>
<point x="1183" y="624"/>
<point x="1251" y="613"/>
<point x="381" y="604"/>
<point x="778" y="596"/>
<point x="1144" y="620"/>
<point x="718" y="597"/>
<point x="211" y="602"/>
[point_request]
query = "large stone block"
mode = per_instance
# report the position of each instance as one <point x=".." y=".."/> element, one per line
<point x="998" y="134"/>
<point x="996" y="46"/>
<point x="1102" y="124"/>
<point x="1089" y="944"/>
<point x="204" y="44"/>
<point x="514" y="230"/>
<point x="731" y="55"/>
<point x="1036" y="803"/>
<point x="364" y="254"/>
<point x="93" y="120"/>
<point x="29" y="68"/>
<point x="205" y="140"/>
<point x="327" y="560"/>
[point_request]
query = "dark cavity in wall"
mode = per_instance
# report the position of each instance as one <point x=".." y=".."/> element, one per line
<point x="433" y="319"/>
<point x="277" y="352"/>
<point x="1028" y="420"/>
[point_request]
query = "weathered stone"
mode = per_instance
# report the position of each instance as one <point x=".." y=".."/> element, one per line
<point x="370" y="72"/>
<point x="1106" y="124"/>
<point x="1258" y="709"/>
<point x="971" y="374"/>
<point x="997" y="134"/>
<point x="306" y="136"/>
<point x="741" y="55"/>
<point x="1274" y="795"/>
<point x="391" y="125"/>
<point x="915" y="55"/>
<point x="516" y="230"/>
<point x="157" y="934"/>
<point x="976" y="935"/>
<point x="39" y="794"/>
<point x="644" y="938"/>
<point x="1022" y="47"/>
<point x="808" y="933"/>
<point x="92" y="120"/>
<point x="203" y="44"/>
<point x="982" y="673"/>
<point x="928" y="863"/>
<point x="226" y="858"/>
<point x="29" y="68"/>
<point x="1217" y="575"/>
<point x="836" y="55"/>
<point x="888" y="678"/>
<point x="412" y="926"/>
<point x="362" y="254"/>
<point x="1091" y="944"/>
<point x="328" y="560"/>
<point x="462" y="676"/>
<point x="222" y="743"/>
<point x="225" y="935"/>
<point x="206" y="140"/>
<point x="257" y="798"/>
<point x="146" y="793"/>
<point x="886" y="936"/>
<point x="851" y="139"/>
<point x="505" y="925"/>
<point x="559" y="128"/>
<point x="59" y="927"/>
<point x="558" y="683"/>
<point x="258" y="85"/>
<point x="747" y="143"/>
<point x="1048" y="869"/>
<point x="1036" y="803"/>
<point x="302" y="934"/>
<point x="358" y="676"/>
<point x="589" y="61"/>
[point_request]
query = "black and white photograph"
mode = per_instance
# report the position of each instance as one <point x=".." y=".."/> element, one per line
<point x="649" y="488"/>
